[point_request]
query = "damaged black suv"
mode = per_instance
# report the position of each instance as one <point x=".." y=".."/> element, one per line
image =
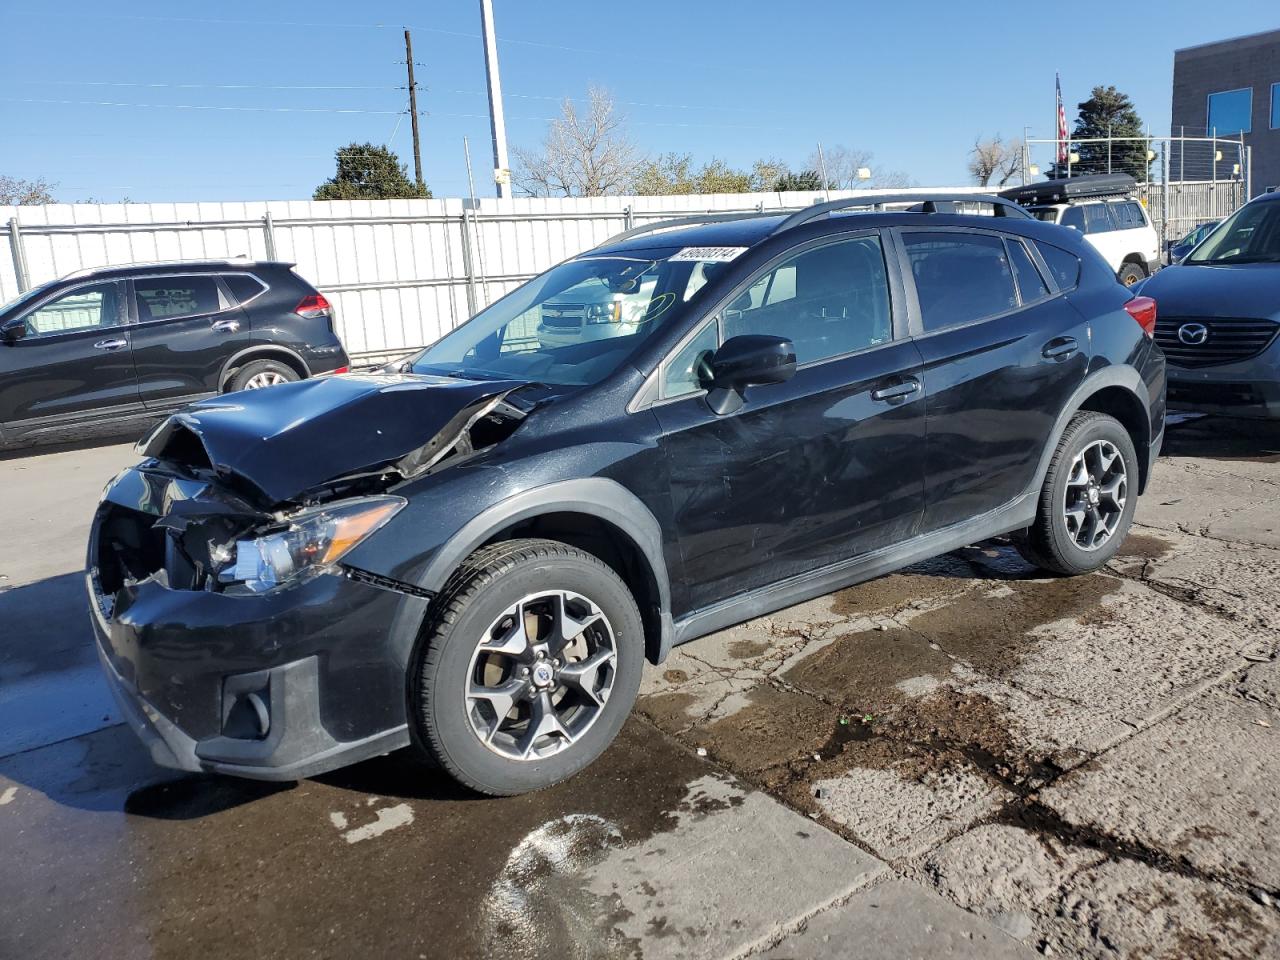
<point x="475" y="550"/>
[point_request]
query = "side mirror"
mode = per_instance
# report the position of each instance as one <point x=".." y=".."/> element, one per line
<point x="13" y="331"/>
<point x="745" y="361"/>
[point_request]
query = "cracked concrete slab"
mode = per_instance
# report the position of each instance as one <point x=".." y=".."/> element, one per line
<point x="1199" y="788"/>
<point x="1087" y="902"/>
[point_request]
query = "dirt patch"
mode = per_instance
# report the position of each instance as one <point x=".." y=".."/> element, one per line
<point x="776" y="726"/>
<point x="669" y="712"/>
<point x="895" y="591"/>
<point x="748" y="649"/>
<point x="675" y="676"/>
<point x="1141" y="546"/>
<point x="861" y="671"/>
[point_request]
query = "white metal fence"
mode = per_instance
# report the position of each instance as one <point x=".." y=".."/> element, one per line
<point x="401" y="273"/>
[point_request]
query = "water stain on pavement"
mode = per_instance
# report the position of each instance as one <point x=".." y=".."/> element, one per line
<point x="215" y="866"/>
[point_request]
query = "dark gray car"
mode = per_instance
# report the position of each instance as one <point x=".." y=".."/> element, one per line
<point x="1219" y="315"/>
<point x="104" y="351"/>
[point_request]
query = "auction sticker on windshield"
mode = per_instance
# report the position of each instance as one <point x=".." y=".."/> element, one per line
<point x="708" y="254"/>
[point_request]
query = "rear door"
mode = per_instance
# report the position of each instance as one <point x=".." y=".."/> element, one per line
<point x="1003" y="351"/>
<point x="71" y="363"/>
<point x="809" y="472"/>
<point x="187" y="327"/>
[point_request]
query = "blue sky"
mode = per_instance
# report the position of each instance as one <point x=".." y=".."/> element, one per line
<point x="145" y="99"/>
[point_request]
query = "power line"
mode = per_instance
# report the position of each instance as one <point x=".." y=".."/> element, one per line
<point x="208" y="86"/>
<point x="196" y="106"/>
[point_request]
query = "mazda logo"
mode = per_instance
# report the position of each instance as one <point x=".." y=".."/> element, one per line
<point x="1193" y="334"/>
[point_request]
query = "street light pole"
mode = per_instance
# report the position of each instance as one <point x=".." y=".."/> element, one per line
<point x="497" y="123"/>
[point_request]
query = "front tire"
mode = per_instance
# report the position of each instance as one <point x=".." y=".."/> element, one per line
<point x="528" y="668"/>
<point x="1088" y="499"/>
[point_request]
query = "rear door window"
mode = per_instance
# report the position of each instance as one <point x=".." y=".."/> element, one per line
<point x="168" y="298"/>
<point x="1073" y="217"/>
<point x="959" y="277"/>
<point x="1097" y="218"/>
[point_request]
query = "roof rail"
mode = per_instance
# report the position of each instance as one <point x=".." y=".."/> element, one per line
<point x="684" y="222"/>
<point x="928" y="203"/>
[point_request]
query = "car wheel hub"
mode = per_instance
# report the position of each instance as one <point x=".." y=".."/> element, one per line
<point x="541" y="675"/>
<point x="1095" y="495"/>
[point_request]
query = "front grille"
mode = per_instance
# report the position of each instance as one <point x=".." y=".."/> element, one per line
<point x="568" y="317"/>
<point x="1229" y="340"/>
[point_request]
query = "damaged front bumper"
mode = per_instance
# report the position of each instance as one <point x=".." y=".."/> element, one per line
<point x="272" y="686"/>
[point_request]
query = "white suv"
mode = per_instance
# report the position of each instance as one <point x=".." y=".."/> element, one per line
<point x="1120" y="229"/>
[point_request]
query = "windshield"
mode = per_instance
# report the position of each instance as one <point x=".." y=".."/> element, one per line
<point x="578" y="322"/>
<point x="27" y="297"/>
<point x="1250" y="235"/>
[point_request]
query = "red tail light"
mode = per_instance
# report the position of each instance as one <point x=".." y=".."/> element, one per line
<point x="1143" y="309"/>
<point x="340" y="370"/>
<point x="312" y="306"/>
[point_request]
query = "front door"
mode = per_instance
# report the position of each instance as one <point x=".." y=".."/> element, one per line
<point x="1003" y="351"/>
<point x="187" y="329"/>
<point x="71" y="362"/>
<point x="824" y="467"/>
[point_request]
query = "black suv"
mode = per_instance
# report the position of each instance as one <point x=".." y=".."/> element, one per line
<point x="102" y="350"/>
<point x="475" y="550"/>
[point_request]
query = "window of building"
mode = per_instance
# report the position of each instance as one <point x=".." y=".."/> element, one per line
<point x="1231" y="112"/>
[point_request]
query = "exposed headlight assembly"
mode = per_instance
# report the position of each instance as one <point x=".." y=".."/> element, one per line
<point x="314" y="539"/>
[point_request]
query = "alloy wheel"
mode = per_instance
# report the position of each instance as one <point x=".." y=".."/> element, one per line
<point x="1096" y="492"/>
<point x="541" y="675"/>
<point x="267" y="378"/>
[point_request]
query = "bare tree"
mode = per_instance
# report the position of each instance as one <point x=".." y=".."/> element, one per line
<point x="19" y="192"/>
<point x="587" y="155"/>
<point x="843" y="164"/>
<point x="993" y="159"/>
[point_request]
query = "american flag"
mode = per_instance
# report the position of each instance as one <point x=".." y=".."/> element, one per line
<point x="1062" y="122"/>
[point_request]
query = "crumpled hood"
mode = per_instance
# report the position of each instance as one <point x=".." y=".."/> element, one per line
<point x="1244" y="290"/>
<point x="289" y="439"/>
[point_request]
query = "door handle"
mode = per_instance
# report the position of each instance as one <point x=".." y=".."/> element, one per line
<point x="896" y="391"/>
<point x="226" y="326"/>
<point x="1060" y="348"/>
<point x="114" y="344"/>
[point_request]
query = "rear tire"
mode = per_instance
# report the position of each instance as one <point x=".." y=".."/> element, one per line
<point x="1131" y="273"/>
<point x="528" y="668"/>
<point x="1088" y="499"/>
<point x="261" y="373"/>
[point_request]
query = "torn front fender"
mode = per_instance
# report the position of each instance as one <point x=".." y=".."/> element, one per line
<point x="287" y="440"/>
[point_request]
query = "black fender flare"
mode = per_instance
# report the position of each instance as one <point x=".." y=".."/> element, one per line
<point x="1116" y="375"/>
<point x="263" y="352"/>
<point x="599" y="497"/>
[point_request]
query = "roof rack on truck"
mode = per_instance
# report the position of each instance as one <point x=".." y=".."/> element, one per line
<point x="1073" y="188"/>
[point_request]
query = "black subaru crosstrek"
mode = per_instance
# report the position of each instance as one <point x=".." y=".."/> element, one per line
<point x="475" y="550"/>
<point x="103" y="351"/>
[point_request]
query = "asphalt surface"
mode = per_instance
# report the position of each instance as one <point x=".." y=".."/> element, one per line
<point x="958" y="760"/>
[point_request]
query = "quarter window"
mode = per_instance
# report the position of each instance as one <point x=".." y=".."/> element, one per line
<point x="85" y="308"/>
<point x="243" y="287"/>
<point x="688" y="371"/>
<point x="1275" y="106"/>
<point x="1030" y="284"/>
<point x="1073" y="217"/>
<point x="1064" y="266"/>
<point x="167" y="298"/>
<point x="959" y="277"/>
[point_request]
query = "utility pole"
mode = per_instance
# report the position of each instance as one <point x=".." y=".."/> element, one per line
<point x="413" y="112"/>
<point x="497" y="124"/>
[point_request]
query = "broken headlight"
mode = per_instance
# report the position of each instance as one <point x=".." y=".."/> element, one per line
<point x="313" y="539"/>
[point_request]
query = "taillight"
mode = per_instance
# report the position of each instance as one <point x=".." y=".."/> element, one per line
<point x="1143" y="309"/>
<point x="311" y="306"/>
<point x="340" y="370"/>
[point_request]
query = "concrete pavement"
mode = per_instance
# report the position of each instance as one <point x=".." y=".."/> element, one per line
<point x="957" y="760"/>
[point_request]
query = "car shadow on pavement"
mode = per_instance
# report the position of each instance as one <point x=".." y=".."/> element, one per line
<point x="72" y="446"/>
<point x="1223" y="438"/>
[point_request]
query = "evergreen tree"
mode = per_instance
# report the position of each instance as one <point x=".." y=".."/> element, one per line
<point x="368" y="172"/>
<point x="1109" y="112"/>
